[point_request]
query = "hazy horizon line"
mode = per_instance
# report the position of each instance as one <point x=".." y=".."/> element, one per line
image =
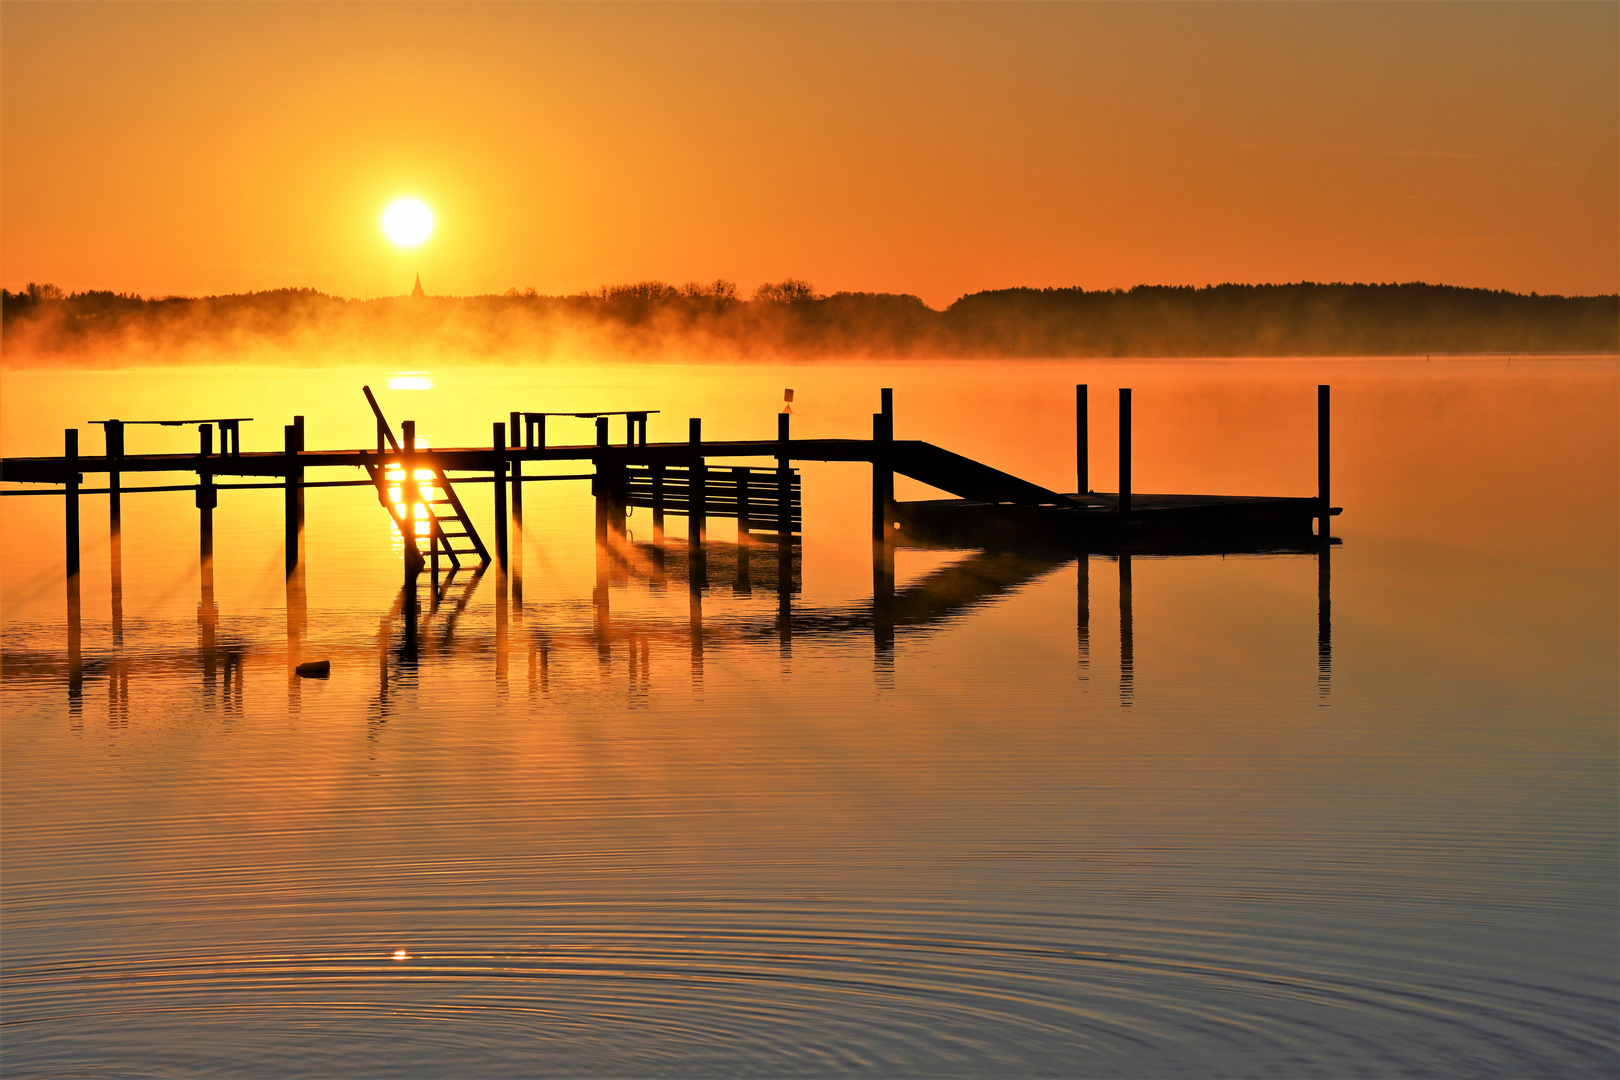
<point x="606" y="291"/>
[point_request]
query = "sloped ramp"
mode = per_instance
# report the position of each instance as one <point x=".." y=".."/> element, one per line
<point x="966" y="478"/>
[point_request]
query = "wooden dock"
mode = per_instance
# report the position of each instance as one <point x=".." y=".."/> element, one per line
<point x="992" y="507"/>
<point x="1019" y="528"/>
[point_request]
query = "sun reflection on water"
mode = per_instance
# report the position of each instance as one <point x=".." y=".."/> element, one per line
<point x="426" y="493"/>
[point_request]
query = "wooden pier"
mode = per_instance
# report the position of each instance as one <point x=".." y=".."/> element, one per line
<point x="1019" y="529"/>
<point x="993" y="508"/>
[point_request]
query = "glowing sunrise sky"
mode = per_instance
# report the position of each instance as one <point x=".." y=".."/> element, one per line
<point x="937" y="149"/>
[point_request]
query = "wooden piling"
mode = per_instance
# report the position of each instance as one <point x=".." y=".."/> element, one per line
<point x="289" y="442"/>
<point x="298" y="487"/>
<point x="784" y="496"/>
<point x="1323" y="460"/>
<point x="699" y="489"/>
<point x="207" y="497"/>
<point x="882" y="526"/>
<point x="114" y="431"/>
<point x="410" y="495"/>
<point x="498" y="442"/>
<point x="883" y="469"/>
<point x="1082" y="440"/>
<point x="1124" y="451"/>
<point x="70" y="451"/>
<point x="516" y="467"/>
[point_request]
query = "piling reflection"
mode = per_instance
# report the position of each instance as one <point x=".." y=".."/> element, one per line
<point x="1127" y="636"/>
<point x="438" y="619"/>
<point x="502" y="633"/>
<point x="694" y="608"/>
<point x="75" y="654"/>
<point x="115" y="583"/>
<point x="883" y="603"/>
<point x="1324" y="620"/>
<point x="1082" y="614"/>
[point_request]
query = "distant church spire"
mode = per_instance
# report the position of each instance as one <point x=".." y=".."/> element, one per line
<point x="417" y="291"/>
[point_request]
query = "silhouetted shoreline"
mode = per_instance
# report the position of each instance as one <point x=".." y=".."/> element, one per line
<point x="654" y="320"/>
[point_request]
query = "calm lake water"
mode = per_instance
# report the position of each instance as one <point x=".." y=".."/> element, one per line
<point x="572" y="835"/>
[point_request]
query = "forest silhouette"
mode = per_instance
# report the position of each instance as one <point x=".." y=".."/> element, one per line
<point x="653" y="319"/>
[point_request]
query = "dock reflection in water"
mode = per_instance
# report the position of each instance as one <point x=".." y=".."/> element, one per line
<point x="898" y="810"/>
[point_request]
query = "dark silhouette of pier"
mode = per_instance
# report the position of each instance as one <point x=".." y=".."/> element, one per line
<point x="1020" y="529"/>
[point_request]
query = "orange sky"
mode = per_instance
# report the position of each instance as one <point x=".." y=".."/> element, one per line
<point x="935" y="149"/>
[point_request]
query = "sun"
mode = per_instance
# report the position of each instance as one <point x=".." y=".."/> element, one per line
<point x="407" y="222"/>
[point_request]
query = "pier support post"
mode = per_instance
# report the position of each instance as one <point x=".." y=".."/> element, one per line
<point x="883" y="528"/>
<point x="697" y="568"/>
<point x="298" y="488"/>
<point x="1124" y="451"/>
<point x="289" y="444"/>
<point x="297" y="599"/>
<point x="1323" y="461"/>
<point x="883" y="469"/>
<point x="784" y="519"/>
<point x="611" y="497"/>
<point x="207" y="610"/>
<point x="1082" y="440"/>
<point x="207" y="497"/>
<point x="114" y="430"/>
<point x="292" y="443"/>
<point x="498" y="442"/>
<point x="698" y="497"/>
<point x="516" y="438"/>
<point x="410" y="493"/>
<point x="70" y="514"/>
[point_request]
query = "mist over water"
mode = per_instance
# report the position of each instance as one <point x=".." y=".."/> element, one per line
<point x="592" y="826"/>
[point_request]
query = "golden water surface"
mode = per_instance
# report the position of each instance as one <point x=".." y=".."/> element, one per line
<point x="1227" y="822"/>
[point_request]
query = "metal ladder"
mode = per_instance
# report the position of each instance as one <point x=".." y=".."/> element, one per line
<point x="445" y="510"/>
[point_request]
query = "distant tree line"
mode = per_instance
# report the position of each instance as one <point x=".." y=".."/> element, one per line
<point x="789" y="318"/>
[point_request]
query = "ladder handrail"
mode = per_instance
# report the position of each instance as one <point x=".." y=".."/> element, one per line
<point x="436" y="535"/>
<point x="382" y="421"/>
